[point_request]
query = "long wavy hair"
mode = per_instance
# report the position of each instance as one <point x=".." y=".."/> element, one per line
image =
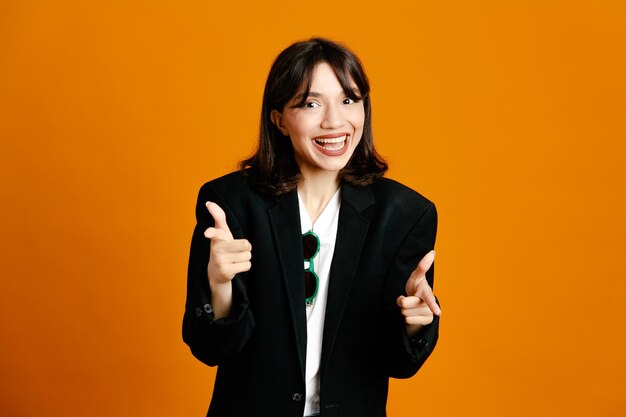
<point x="272" y="167"/>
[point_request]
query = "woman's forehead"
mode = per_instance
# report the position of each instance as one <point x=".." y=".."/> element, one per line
<point x="323" y="80"/>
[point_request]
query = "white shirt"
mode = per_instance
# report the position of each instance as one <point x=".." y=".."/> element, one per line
<point x="325" y="228"/>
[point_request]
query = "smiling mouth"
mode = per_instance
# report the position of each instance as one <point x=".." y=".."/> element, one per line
<point x="331" y="144"/>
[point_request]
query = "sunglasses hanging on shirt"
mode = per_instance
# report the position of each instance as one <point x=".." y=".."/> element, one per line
<point x="310" y="248"/>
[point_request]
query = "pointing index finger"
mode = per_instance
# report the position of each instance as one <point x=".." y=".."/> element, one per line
<point x="220" y="218"/>
<point x="425" y="264"/>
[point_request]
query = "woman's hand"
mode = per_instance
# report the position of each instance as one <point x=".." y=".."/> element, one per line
<point x="419" y="306"/>
<point x="228" y="258"/>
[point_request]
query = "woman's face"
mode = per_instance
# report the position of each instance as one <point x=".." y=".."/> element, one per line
<point x="326" y="130"/>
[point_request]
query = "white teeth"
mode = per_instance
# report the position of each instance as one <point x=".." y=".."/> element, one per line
<point x="332" y="144"/>
<point x="331" y="140"/>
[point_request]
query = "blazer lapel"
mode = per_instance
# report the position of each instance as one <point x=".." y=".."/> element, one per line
<point x="284" y="218"/>
<point x="351" y="230"/>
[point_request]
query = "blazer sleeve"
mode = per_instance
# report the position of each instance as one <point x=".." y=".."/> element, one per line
<point x="210" y="340"/>
<point x="405" y="354"/>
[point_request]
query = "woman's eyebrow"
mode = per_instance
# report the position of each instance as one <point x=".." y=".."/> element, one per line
<point x="301" y="96"/>
<point x="310" y="94"/>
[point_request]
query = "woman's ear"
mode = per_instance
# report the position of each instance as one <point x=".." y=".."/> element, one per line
<point x="277" y="118"/>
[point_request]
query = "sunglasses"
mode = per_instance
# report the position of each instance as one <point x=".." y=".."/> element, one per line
<point x="310" y="248"/>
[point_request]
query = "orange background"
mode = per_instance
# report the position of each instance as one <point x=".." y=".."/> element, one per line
<point x="511" y="116"/>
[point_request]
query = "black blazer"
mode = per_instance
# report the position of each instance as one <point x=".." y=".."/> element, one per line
<point x="383" y="231"/>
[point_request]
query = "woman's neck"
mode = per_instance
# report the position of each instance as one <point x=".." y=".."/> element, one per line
<point x="316" y="191"/>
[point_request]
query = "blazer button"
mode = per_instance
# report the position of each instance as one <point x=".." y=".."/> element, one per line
<point x="208" y="309"/>
<point x="198" y="311"/>
<point x="296" y="396"/>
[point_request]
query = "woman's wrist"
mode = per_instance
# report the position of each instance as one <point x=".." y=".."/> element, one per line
<point x="221" y="298"/>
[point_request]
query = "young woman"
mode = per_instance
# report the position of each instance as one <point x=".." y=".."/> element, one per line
<point x="310" y="276"/>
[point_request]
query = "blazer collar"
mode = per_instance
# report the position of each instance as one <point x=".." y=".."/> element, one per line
<point x="359" y="197"/>
<point x="351" y="232"/>
<point x="284" y="218"/>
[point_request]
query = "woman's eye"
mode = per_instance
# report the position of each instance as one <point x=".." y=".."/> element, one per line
<point x="311" y="104"/>
<point x="348" y="101"/>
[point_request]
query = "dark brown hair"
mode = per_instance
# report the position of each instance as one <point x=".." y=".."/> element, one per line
<point x="273" y="165"/>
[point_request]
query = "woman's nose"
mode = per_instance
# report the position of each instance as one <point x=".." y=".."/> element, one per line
<point x="333" y="117"/>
